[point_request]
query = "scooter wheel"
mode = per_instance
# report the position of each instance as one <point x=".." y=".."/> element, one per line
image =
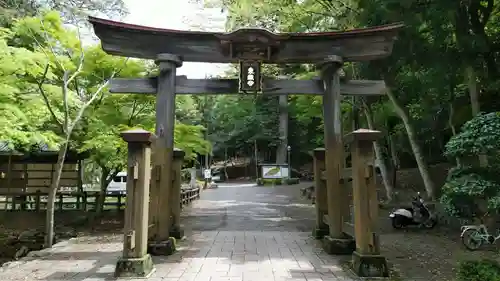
<point x="430" y="223"/>
<point x="397" y="223"/>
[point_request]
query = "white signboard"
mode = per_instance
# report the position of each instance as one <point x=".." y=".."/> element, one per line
<point x="284" y="172"/>
<point x="274" y="172"/>
<point x="207" y="174"/>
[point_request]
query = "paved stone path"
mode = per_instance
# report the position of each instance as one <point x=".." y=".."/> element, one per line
<point x="233" y="233"/>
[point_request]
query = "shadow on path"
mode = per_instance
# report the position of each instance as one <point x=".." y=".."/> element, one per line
<point x="234" y="233"/>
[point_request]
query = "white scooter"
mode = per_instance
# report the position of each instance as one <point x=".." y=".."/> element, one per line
<point x="418" y="215"/>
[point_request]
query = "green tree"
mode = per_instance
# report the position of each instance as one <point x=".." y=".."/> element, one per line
<point x="471" y="189"/>
<point x="65" y="91"/>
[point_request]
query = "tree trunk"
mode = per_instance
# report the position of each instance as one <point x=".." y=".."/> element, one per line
<point x="49" y="219"/>
<point x="106" y="177"/>
<point x="452" y="127"/>
<point x="281" y="152"/>
<point x="415" y="147"/>
<point x="389" y="188"/>
<point x="256" y="156"/>
<point x="394" y="159"/>
<point x="471" y="78"/>
<point x="225" y="164"/>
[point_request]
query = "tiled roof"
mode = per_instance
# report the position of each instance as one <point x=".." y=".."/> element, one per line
<point x="42" y="147"/>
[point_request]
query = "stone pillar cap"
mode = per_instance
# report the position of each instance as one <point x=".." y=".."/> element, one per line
<point x="362" y="135"/>
<point x="138" y="136"/>
<point x="319" y="153"/>
<point x="179" y="153"/>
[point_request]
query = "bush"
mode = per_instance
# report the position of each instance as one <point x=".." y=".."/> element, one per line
<point x="261" y="181"/>
<point x="460" y="195"/>
<point x="291" y="181"/>
<point x="472" y="190"/>
<point x="483" y="270"/>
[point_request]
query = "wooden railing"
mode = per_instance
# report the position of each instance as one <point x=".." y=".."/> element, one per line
<point x="80" y="201"/>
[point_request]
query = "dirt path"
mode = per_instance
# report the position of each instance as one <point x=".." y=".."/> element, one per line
<point x="431" y="255"/>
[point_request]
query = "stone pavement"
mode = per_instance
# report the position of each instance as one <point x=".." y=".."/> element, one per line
<point x="233" y="233"/>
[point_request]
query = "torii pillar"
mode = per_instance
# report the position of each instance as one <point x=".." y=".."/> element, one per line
<point x="164" y="146"/>
<point x="336" y="242"/>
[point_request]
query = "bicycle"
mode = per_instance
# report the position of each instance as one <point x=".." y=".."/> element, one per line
<point x="474" y="236"/>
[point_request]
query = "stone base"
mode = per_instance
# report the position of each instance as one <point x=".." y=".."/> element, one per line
<point x="369" y="265"/>
<point x="319" y="233"/>
<point x="177" y="233"/>
<point x="134" y="267"/>
<point x="338" y="246"/>
<point x="162" y="248"/>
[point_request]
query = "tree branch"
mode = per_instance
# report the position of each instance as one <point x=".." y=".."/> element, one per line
<point x="89" y="102"/>
<point x="134" y="106"/>
<point x="65" y="100"/>
<point x="80" y="62"/>
<point x="52" y="50"/>
<point x="46" y="98"/>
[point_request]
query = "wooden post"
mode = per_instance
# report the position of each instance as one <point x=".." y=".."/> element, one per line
<point x="175" y="199"/>
<point x="367" y="261"/>
<point x="336" y="242"/>
<point x="165" y="120"/>
<point x="79" y="188"/>
<point x="321" y="203"/>
<point x="154" y="193"/>
<point x="136" y="262"/>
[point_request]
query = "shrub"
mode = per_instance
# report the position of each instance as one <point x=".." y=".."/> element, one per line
<point x="472" y="190"/>
<point x="483" y="270"/>
<point x="291" y="181"/>
<point x="261" y="181"/>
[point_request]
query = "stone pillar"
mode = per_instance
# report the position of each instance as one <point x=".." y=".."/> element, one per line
<point x="136" y="262"/>
<point x="336" y="242"/>
<point x="321" y="229"/>
<point x="165" y="120"/>
<point x="367" y="261"/>
<point x="175" y="200"/>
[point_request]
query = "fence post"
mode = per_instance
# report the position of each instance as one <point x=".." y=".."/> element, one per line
<point x="61" y="201"/>
<point x="367" y="261"/>
<point x="136" y="262"/>
<point x="38" y="200"/>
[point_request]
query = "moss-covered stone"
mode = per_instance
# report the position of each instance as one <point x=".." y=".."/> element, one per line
<point x="369" y="265"/>
<point x="338" y="246"/>
<point x="162" y="248"/>
<point x="134" y="267"/>
<point x="319" y="233"/>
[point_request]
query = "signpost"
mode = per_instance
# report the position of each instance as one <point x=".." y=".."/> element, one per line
<point x="207" y="175"/>
<point x="274" y="171"/>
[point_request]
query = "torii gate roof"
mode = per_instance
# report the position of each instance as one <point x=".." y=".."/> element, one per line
<point x="138" y="41"/>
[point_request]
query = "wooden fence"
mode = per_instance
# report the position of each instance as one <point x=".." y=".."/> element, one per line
<point x="83" y="201"/>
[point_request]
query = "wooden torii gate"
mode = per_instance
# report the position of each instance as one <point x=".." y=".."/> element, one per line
<point x="250" y="47"/>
